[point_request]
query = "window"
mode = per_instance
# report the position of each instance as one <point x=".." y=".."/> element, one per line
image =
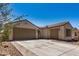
<point x="38" y="31"/>
<point x="68" y="32"/>
<point x="75" y="34"/>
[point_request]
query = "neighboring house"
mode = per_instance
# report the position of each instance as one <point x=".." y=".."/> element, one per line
<point x="24" y="29"/>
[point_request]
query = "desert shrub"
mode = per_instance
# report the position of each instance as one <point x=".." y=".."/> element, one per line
<point x="6" y="32"/>
<point x="5" y="35"/>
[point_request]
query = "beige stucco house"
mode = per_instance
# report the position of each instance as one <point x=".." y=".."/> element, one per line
<point x="24" y="29"/>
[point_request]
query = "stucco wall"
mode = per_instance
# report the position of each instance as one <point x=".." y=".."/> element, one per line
<point x="11" y="34"/>
<point x="25" y="25"/>
<point x="61" y="32"/>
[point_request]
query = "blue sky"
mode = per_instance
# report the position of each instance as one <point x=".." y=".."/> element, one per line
<point x="42" y="14"/>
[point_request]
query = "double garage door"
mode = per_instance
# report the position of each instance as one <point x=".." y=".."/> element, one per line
<point x="21" y="33"/>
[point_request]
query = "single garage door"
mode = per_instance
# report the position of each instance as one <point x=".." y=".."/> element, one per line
<point x="54" y="33"/>
<point x="21" y="33"/>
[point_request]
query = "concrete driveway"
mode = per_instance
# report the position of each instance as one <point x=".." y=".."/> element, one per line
<point x="47" y="47"/>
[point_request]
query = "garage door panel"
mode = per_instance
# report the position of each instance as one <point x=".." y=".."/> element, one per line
<point x="20" y="33"/>
<point x="54" y="33"/>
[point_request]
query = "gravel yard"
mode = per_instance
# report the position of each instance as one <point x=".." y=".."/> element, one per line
<point x="7" y="49"/>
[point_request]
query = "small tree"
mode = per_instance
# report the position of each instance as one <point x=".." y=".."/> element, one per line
<point x="5" y="17"/>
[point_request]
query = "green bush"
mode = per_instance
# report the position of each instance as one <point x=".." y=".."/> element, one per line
<point x="5" y="34"/>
